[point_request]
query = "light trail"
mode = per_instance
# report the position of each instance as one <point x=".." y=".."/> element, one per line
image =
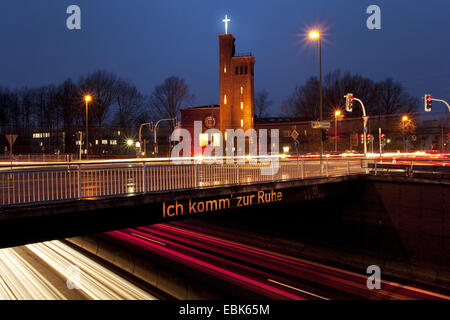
<point x="95" y="281"/>
<point x="20" y="280"/>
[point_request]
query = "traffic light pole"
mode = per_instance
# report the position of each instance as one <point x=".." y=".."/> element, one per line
<point x="349" y="97"/>
<point x="443" y="101"/>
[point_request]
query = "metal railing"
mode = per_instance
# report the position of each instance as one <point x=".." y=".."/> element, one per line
<point x="33" y="184"/>
<point x="409" y="167"/>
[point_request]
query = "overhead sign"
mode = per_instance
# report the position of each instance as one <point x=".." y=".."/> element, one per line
<point x="321" y="124"/>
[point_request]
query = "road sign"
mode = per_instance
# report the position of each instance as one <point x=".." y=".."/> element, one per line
<point x="321" y="124"/>
<point x="11" y="138"/>
<point x="365" y="118"/>
<point x="294" y="134"/>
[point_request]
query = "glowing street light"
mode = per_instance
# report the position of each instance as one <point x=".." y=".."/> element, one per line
<point x="129" y="142"/>
<point x="315" y="34"/>
<point x="87" y="98"/>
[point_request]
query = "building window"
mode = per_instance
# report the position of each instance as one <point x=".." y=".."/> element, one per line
<point x="242" y="105"/>
<point x="225" y="69"/>
<point x="242" y="123"/>
<point x="225" y="99"/>
<point x="216" y="139"/>
<point x="203" y="139"/>
<point x="104" y="141"/>
<point x="245" y="70"/>
<point x="241" y="69"/>
<point x="41" y="135"/>
<point x="96" y="142"/>
<point x="113" y="142"/>
<point x="242" y="90"/>
<point x="236" y="71"/>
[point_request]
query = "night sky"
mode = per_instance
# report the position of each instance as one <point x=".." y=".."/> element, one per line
<point x="148" y="41"/>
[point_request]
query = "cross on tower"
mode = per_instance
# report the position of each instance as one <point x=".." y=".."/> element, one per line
<point x="226" y="20"/>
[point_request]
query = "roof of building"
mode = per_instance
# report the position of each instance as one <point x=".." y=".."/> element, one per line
<point x="214" y="106"/>
<point x="280" y="119"/>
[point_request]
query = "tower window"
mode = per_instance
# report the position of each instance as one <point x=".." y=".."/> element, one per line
<point x="225" y="69"/>
<point x="241" y="69"/>
<point x="236" y="70"/>
<point x="242" y="105"/>
<point x="225" y="99"/>
<point x="245" y="70"/>
<point x="242" y="123"/>
<point x="242" y="90"/>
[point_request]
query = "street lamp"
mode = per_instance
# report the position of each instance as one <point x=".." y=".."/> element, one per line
<point x="337" y="113"/>
<point x="87" y="98"/>
<point x="404" y="119"/>
<point x="314" y="34"/>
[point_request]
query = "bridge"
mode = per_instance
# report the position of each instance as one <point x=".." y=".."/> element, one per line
<point x="41" y="200"/>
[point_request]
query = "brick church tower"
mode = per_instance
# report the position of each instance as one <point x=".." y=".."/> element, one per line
<point x="236" y="76"/>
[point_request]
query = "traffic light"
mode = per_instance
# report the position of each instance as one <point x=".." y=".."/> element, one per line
<point x="324" y="134"/>
<point x="349" y="102"/>
<point x="383" y="139"/>
<point x="427" y="99"/>
<point x="369" y="138"/>
<point x="362" y="137"/>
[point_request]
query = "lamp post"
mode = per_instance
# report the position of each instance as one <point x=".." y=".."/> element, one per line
<point x="87" y="98"/>
<point x="155" y="127"/>
<point x="317" y="35"/>
<point x="150" y="124"/>
<point x="337" y="113"/>
<point x="404" y="119"/>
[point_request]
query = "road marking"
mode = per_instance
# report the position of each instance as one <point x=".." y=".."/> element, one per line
<point x="156" y="241"/>
<point x="297" y="289"/>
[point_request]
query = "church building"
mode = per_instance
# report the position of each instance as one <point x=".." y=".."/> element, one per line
<point x="236" y="109"/>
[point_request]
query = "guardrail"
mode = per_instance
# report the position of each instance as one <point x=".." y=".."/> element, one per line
<point x="409" y="167"/>
<point x="41" y="183"/>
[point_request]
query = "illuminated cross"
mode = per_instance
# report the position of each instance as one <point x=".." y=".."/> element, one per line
<point x="226" y="20"/>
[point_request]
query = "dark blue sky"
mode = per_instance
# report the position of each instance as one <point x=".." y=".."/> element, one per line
<point x="149" y="40"/>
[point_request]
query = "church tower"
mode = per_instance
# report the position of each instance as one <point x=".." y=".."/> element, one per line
<point x="236" y="75"/>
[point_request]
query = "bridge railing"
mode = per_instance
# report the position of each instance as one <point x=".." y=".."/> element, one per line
<point x="33" y="184"/>
<point x="410" y="166"/>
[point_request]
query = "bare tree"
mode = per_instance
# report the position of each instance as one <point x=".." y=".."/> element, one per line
<point x="304" y="101"/>
<point x="102" y="86"/>
<point x="169" y="97"/>
<point x="130" y="106"/>
<point x="262" y="103"/>
<point x="385" y="97"/>
<point x="392" y="98"/>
